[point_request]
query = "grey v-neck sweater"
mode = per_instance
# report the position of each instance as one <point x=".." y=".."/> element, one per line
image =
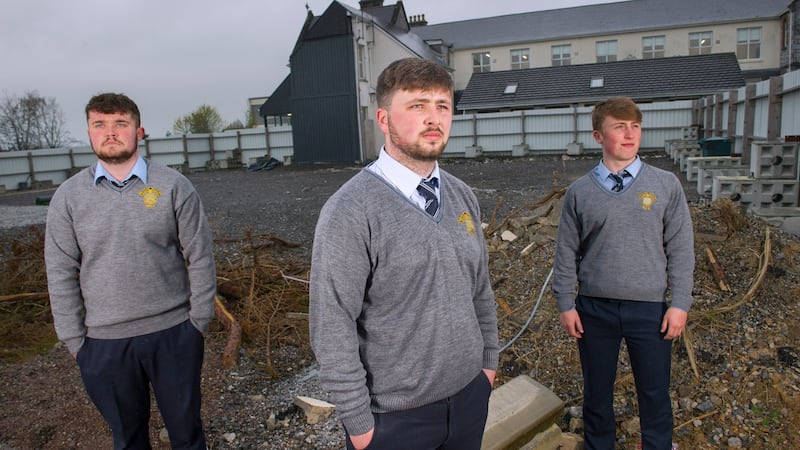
<point x="123" y="262"/>
<point x="628" y="245"/>
<point x="402" y="313"/>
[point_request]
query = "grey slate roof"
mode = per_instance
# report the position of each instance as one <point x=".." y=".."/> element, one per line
<point x="388" y="18"/>
<point x="672" y="78"/>
<point x="593" y="20"/>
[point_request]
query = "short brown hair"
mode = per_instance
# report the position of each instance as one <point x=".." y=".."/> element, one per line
<point x="620" y="107"/>
<point x="110" y="103"/>
<point x="411" y="74"/>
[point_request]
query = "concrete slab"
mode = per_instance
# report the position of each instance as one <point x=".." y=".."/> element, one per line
<point x="518" y="411"/>
<point x="787" y="219"/>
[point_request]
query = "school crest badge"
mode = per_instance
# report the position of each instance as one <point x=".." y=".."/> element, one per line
<point x="648" y="199"/>
<point x="466" y="219"/>
<point x="150" y="196"/>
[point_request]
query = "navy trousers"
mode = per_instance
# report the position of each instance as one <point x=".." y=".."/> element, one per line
<point x="605" y="323"/>
<point x="455" y="423"/>
<point x="118" y="373"/>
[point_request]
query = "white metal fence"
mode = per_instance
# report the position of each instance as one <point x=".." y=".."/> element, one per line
<point x="769" y="110"/>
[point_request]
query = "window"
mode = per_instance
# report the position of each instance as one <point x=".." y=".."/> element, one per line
<point x="606" y="51"/>
<point x="652" y="47"/>
<point x="748" y="43"/>
<point x="561" y="55"/>
<point x="511" y="88"/>
<point x="520" y="58"/>
<point x="361" y="74"/>
<point x="787" y="32"/>
<point x="700" y="43"/>
<point x="481" y="62"/>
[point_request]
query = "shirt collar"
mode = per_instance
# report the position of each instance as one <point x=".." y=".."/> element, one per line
<point x="139" y="170"/>
<point x="602" y="172"/>
<point x="400" y="176"/>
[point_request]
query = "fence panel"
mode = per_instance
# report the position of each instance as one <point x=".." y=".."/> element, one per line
<point x="543" y="130"/>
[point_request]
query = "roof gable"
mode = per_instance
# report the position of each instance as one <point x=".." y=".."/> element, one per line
<point x="649" y="79"/>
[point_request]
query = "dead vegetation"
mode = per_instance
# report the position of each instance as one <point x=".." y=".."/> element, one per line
<point x="736" y="371"/>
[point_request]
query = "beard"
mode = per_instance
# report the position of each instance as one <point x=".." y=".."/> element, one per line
<point x="415" y="149"/>
<point x="114" y="157"/>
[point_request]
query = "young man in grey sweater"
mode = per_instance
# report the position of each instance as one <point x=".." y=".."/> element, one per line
<point x="402" y="314"/>
<point x="131" y="277"/>
<point x="625" y="237"/>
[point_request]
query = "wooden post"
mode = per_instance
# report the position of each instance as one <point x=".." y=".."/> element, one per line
<point x="733" y="107"/>
<point x="185" y="151"/>
<point x="211" y="146"/>
<point x="775" y="106"/>
<point x="749" y="121"/>
<point x="266" y="137"/>
<point x="31" y="170"/>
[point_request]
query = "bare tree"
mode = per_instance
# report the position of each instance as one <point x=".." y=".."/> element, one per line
<point x="52" y="125"/>
<point x="31" y="122"/>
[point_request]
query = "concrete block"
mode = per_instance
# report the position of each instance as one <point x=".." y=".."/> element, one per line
<point x="676" y="146"/>
<point x="518" y="410"/>
<point x="473" y="151"/>
<point x="774" y="160"/>
<point x="217" y="164"/>
<point x="705" y="177"/>
<point x="315" y="409"/>
<point x="775" y="193"/>
<point x="546" y="440"/>
<point x="695" y="163"/>
<point x="787" y="219"/>
<point x="682" y="154"/>
<point x="520" y="150"/>
<point x="575" y="148"/>
<point x="691" y="133"/>
<point x="738" y="189"/>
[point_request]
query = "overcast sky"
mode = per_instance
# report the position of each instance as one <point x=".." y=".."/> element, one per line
<point x="173" y="56"/>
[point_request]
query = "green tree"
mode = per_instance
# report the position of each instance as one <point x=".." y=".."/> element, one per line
<point x="205" y="119"/>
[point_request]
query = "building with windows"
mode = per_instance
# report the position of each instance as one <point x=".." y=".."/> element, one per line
<point x="763" y="34"/>
<point x="524" y="60"/>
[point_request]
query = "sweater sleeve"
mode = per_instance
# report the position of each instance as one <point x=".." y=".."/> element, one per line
<point x="196" y="241"/>
<point x="62" y="259"/>
<point x="340" y="271"/>
<point x="486" y="308"/>
<point x="565" y="264"/>
<point x="679" y="248"/>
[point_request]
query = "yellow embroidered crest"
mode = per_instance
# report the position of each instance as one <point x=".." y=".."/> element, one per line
<point x="648" y="200"/>
<point x="150" y="196"/>
<point x="466" y="219"/>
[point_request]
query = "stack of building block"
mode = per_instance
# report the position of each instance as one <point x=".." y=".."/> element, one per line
<point x="771" y="186"/>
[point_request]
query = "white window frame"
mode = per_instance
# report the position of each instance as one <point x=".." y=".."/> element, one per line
<point x="748" y="43"/>
<point x="700" y="42"/>
<point x="520" y="58"/>
<point x="481" y="62"/>
<point x="606" y="51"/>
<point x="653" y="46"/>
<point x="561" y="55"/>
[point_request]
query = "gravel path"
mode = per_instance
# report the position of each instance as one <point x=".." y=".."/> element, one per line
<point x="746" y="393"/>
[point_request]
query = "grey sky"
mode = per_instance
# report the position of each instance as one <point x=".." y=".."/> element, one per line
<point x="173" y="56"/>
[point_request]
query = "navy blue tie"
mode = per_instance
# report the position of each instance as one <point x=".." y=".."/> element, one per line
<point x="427" y="188"/>
<point x="618" y="180"/>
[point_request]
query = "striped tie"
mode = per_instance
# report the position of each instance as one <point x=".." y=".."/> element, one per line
<point x="427" y="189"/>
<point x="618" y="180"/>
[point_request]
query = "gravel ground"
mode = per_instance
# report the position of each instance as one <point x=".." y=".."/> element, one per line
<point x="744" y="393"/>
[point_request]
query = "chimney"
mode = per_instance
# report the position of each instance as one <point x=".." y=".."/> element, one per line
<point x="367" y="4"/>
<point x="418" y="21"/>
